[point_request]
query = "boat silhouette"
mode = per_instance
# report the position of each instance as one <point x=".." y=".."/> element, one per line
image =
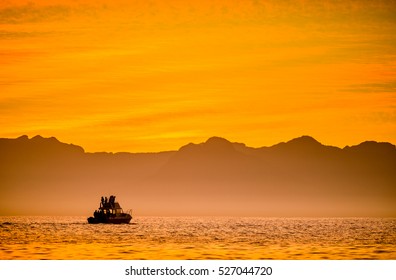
<point x="110" y="212"/>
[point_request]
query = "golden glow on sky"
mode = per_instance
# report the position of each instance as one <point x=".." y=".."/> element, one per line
<point x="154" y="75"/>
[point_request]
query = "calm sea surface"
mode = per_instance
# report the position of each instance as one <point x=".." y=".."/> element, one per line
<point x="198" y="238"/>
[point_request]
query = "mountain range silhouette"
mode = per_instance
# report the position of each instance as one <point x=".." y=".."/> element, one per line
<point x="301" y="177"/>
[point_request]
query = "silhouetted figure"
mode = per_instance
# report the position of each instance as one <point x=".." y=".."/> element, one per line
<point x="112" y="200"/>
<point x="105" y="201"/>
<point x="102" y="201"/>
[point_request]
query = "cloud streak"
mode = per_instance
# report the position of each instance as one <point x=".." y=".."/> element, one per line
<point x="33" y="14"/>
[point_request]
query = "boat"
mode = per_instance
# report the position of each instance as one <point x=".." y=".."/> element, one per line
<point x="110" y="212"/>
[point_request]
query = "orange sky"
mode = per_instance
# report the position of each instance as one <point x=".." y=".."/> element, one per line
<point x="154" y="75"/>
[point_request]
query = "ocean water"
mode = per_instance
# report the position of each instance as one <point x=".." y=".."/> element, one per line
<point x="198" y="238"/>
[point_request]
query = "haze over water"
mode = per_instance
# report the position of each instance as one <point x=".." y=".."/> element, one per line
<point x="198" y="238"/>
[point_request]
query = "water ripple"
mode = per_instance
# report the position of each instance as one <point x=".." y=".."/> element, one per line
<point x="198" y="238"/>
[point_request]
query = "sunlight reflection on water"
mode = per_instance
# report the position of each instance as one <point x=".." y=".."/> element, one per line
<point x="198" y="238"/>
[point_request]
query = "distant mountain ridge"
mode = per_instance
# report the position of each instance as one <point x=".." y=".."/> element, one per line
<point x="37" y="144"/>
<point x="213" y="143"/>
<point x="300" y="177"/>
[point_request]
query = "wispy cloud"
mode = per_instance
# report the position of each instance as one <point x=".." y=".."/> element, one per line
<point x="384" y="87"/>
<point x="30" y="14"/>
<point x="191" y="12"/>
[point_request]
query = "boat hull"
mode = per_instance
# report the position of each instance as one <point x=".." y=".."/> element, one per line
<point x="124" y="219"/>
